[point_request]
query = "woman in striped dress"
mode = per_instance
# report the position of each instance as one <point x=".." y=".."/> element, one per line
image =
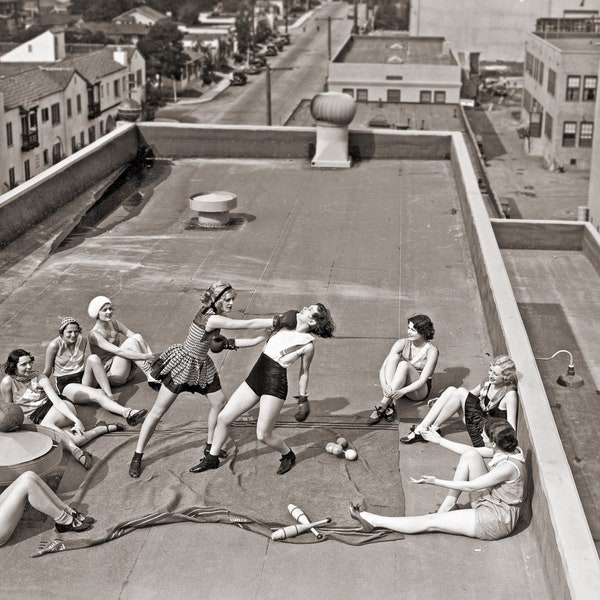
<point x="188" y="368"/>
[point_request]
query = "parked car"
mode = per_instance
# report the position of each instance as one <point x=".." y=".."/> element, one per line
<point x="271" y="50"/>
<point x="259" y="60"/>
<point x="238" y="78"/>
<point x="252" y="69"/>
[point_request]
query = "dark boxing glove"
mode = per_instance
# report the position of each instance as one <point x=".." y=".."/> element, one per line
<point x="285" y="320"/>
<point x="218" y="343"/>
<point x="303" y="408"/>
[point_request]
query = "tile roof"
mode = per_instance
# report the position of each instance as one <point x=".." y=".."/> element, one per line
<point x="29" y="87"/>
<point x="148" y="12"/>
<point x="94" y="65"/>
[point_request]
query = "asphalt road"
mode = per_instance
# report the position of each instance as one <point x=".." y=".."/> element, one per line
<point x="303" y="74"/>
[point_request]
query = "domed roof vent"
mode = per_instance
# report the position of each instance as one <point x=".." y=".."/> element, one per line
<point x="333" y="112"/>
<point x="129" y="110"/>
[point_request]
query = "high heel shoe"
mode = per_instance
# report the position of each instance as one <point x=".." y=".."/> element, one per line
<point x="412" y="437"/>
<point x="74" y="525"/>
<point x="355" y="514"/>
<point x="85" y="460"/>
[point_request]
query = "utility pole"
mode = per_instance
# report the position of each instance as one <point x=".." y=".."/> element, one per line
<point x="268" y="82"/>
<point x="355" y="26"/>
<point x="329" y="19"/>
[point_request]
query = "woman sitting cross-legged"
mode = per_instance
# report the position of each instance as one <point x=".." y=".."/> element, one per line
<point x="495" y="396"/>
<point x="29" y="487"/>
<point x="496" y="490"/>
<point x="34" y="393"/>
<point x="77" y="376"/>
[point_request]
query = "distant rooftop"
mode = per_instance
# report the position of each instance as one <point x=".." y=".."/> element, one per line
<point x="571" y="41"/>
<point x="396" y="49"/>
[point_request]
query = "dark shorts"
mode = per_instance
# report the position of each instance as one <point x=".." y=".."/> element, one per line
<point x="65" y="380"/>
<point x="37" y="416"/>
<point x="268" y="378"/>
<point x="209" y="388"/>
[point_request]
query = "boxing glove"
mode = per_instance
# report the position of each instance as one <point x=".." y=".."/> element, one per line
<point x="285" y="320"/>
<point x="218" y="343"/>
<point x="303" y="408"/>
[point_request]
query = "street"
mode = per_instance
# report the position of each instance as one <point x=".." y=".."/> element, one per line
<point x="303" y="74"/>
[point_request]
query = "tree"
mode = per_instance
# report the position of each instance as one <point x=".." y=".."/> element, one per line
<point x="243" y="29"/>
<point x="386" y="16"/>
<point x="163" y="50"/>
<point x="92" y="10"/>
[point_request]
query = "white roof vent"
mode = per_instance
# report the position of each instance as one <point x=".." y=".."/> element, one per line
<point x="395" y="59"/>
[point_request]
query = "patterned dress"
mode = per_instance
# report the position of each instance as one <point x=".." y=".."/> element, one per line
<point x="187" y="367"/>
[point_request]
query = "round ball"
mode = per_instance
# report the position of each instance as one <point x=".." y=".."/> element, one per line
<point x="337" y="450"/>
<point x="329" y="447"/>
<point x="351" y="454"/>
<point x="343" y="442"/>
<point x="11" y="417"/>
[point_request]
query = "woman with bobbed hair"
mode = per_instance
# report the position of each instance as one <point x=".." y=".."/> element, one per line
<point x="34" y="393"/>
<point x="267" y="385"/>
<point x="496" y="490"/>
<point x="76" y="375"/>
<point x="188" y="368"/>
<point x="495" y="396"/>
<point x="408" y="368"/>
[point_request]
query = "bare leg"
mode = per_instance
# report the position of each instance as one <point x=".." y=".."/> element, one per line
<point x="82" y="394"/>
<point x="163" y="402"/>
<point x="27" y="487"/>
<point x="270" y="407"/>
<point x="120" y="370"/>
<point x="217" y="400"/>
<point x="447" y="405"/>
<point x="94" y="373"/>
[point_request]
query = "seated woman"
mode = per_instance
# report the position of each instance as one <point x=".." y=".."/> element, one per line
<point x="407" y="369"/>
<point x="76" y="376"/>
<point x="497" y="491"/>
<point x="117" y="346"/>
<point x="29" y="487"/>
<point x="34" y="393"/>
<point x="495" y="396"/>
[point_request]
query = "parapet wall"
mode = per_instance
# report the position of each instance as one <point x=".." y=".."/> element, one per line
<point x="27" y="205"/>
<point x="558" y="521"/>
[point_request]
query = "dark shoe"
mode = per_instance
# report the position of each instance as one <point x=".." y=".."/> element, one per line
<point x="135" y="466"/>
<point x="136" y="416"/>
<point x="222" y="451"/>
<point x="85" y="460"/>
<point x="412" y="437"/>
<point x="206" y="464"/>
<point x="303" y="411"/>
<point x="155" y="385"/>
<point x="74" y="525"/>
<point x="390" y="412"/>
<point x="376" y="415"/>
<point x="83" y="518"/>
<point x="355" y="514"/>
<point x="287" y="462"/>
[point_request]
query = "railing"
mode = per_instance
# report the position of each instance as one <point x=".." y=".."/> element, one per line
<point x="93" y="110"/>
<point x="29" y="141"/>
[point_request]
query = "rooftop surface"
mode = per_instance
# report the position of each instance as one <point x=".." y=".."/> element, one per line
<point x="303" y="235"/>
<point x="573" y="43"/>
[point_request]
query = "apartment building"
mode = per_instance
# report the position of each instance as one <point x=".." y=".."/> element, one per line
<point x="53" y="108"/>
<point x="560" y="86"/>
<point x="396" y="68"/>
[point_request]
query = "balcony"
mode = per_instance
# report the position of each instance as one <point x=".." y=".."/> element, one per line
<point x="29" y="141"/>
<point x="93" y="110"/>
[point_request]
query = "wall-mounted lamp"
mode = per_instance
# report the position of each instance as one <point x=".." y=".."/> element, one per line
<point x="570" y="379"/>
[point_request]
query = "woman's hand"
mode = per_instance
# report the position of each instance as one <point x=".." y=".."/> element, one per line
<point x="430" y="479"/>
<point x="387" y="391"/>
<point x="151" y="357"/>
<point x="431" y="435"/>
<point x="396" y="395"/>
<point x="78" y="428"/>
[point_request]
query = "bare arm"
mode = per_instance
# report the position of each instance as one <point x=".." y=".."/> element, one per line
<point x="511" y="403"/>
<point x="432" y="358"/>
<point x="51" y="352"/>
<point x="6" y="389"/>
<point x="249" y="342"/>
<point x="305" y="361"/>
<point x="103" y="343"/>
<point x="431" y="435"/>
<point x="390" y="364"/>
<point x="220" y="322"/>
<point x="59" y="403"/>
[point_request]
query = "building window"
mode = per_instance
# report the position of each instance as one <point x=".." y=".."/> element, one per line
<point x="27" y="169"/>
<point x="425" y="97"/>
<point x="138" y="77"/>
<point x="540" y="77"/>
<point x="569" y="134"/>
<point x="439" y="97"/>
<point x="9" y="134"/>
<point x="92" y="133"/>
<point x="82" y="139"/>
<point x="78" y="102"/>
<point x="73" y="144"/>
<point x="55" y="108"/>
<point x="529" y="63"/>
<point x="46" y="158"/>
<point x="548" y="126"/>
<point x="586" y="132"/>
<point x="107" y="90"/>
<point x="101" y="128"/>
<point x="348" y="92"/>
<point x="45" y="115"/>
<point x="535" y="124"/>
<point x="117" y="88"/>
<point x="131" y="80"/>
<point x="589" y="87"/>
<point x="362" y="95"/>
<point x="551" y="82"/>
<point x="12" y="180"/>
<point x="393" y="96"/>
<point x="573" y="84"/>
<point x="69" y="107"/>
<point x="56" y="153"/>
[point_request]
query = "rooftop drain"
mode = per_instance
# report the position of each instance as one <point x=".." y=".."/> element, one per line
<point x="333" y="112"/>
<point x="569" y="380"/>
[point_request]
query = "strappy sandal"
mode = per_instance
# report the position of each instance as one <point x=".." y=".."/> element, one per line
<point x="85" y="460"/>
<point x="117" y="426"/>
<point x="135" y="416"/>
<point x="376" y="415"/>
<point x="412" y="437"/>
<point x="390" y="412"/>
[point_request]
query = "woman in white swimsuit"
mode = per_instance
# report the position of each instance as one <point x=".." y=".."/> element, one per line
<point x="407" y="370"/>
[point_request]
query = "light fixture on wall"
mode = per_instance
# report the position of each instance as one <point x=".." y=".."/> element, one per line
<point x="569" y="380"/>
